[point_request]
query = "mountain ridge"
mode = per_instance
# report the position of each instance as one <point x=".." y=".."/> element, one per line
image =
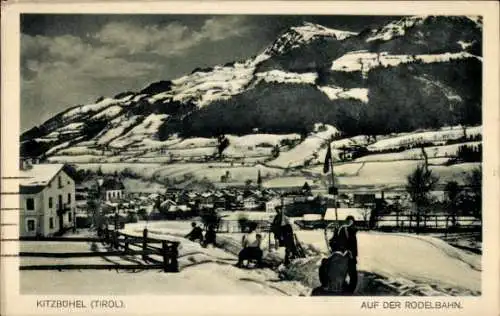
<point x="310" y="74"/>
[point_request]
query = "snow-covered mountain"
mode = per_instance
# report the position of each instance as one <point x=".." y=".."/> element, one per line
<point x="423" y="71"/>
<point x="304" y="34"/>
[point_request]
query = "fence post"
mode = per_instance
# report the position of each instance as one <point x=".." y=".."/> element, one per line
<point x="144" y="243"/>
<point x="126" y="245"/>
<point x="165" y="254"/>
<point x="106" y="235"/>
<point x="446" y="228"/>
<point x="174" y="253"/>
<point x="269" y="238"/>
<point x="115" y="239"/>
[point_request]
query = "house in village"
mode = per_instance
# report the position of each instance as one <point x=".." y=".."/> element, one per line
<point x="271" y="204"/>
<point x="251" y="202"/>
<point x="47" y="199"/>
<point x="173" y="193"/>
<point x="206" y="200"/>
<point x="111" y="189"/>
<point x="220" y="200"/>
<point x="364" y="199"/>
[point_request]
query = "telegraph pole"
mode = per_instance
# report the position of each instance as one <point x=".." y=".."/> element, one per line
<point x="333" y="188"/>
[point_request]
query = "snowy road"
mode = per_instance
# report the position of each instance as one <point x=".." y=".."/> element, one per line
<point x="421" y="264"/>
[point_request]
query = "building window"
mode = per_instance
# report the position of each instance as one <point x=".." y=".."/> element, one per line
<point x="60" y="181"/>
<point x="50" y="202"/>
<point x="69" y="217"/>
<point x="69" y="198"/>
<point x="51" y="223"/>
<point x="30" y="204"/>
<point x="31" y="225"/>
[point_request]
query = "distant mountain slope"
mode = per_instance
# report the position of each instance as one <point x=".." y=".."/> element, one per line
<point x="412" y="73"/>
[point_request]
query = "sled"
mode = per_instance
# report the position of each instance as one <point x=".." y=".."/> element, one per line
<point x="298" y="247"/>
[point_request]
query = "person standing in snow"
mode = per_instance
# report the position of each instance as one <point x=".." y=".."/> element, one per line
<point x="210" y="236"/>
<point x="345" y="240"/>
<point x="282" y="226"/>
<point x="195" y="234"/>
<point x="251" y="247"/>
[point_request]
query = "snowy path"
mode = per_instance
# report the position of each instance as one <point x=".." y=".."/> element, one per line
<point x="413" y="261"/>
<point x="389" y="264"/>
<point x="409" y="263"/>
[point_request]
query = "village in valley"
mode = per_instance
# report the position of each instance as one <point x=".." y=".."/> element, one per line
<point x="80" y="203"/>
<point x="60" y="200"/>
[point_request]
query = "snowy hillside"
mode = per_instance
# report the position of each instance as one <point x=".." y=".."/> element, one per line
<point x="364" y="61"/>
<point x="268" y="106"/>
<point x="303" y="34"/>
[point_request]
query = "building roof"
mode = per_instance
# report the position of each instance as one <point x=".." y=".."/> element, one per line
<point x="31" y="189"/>
<point x="167" y="202"/>
<point x="39" y="175"/>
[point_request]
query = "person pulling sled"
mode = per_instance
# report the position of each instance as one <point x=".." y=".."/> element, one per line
<point x="334" y="270"/>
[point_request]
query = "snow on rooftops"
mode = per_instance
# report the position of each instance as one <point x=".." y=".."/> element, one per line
<point x="39" y="174"/>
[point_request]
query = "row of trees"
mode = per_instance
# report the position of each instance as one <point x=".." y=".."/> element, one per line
<point x="460" y="199"/>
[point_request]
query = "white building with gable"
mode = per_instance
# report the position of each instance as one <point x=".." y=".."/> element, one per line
<point x="47" y="200"/>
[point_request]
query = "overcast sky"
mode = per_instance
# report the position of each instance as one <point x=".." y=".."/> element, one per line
<point x="74" y="59"/>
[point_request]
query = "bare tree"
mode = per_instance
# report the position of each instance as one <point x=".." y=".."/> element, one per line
<point x="452" y="190"/>
<point x="474" y="182"/>
<point x="419" y="185"/>
<point x="366" y="212"/>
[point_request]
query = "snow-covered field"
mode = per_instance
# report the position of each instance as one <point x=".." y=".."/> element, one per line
<point x="393" y="173"/>
<point x="443" y="134"/>
<point x="179" y="171"/>
<point x="306" y="149"/>
<point x="365" y="61"/>
<point x="203" y="271"/>
<point x="401" y="264"/>
<point x="416" y="153"/>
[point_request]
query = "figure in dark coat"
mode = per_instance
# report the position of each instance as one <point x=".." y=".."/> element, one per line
<point x="284" y="232"/>
<point x="195" y="234"/>
<point x="210" y="236"/>
<point x="345" y="240"/>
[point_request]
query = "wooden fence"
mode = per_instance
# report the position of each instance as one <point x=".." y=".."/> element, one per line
<point x="441" y="223"/>
<point x="428" y="222"/>
<point x="234" y="226"/>
<point x="121" y="245"/>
